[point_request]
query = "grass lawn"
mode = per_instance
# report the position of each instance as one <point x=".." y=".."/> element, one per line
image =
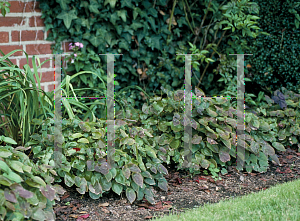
<point x="281" y="202"/>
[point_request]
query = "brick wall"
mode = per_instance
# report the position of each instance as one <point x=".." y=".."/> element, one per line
<point x="24" y="29"/>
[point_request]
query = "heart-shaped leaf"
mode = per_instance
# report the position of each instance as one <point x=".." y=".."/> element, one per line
<point x="138" y="179"/>
<point x="130" y="194"/>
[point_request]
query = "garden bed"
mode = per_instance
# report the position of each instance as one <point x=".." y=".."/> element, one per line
<point x="184" y="193"/>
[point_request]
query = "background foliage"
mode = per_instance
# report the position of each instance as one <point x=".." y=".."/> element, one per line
<point x="275" y="60"/>
<point x="141" y="31"/>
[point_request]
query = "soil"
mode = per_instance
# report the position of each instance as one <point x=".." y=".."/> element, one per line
<point x="184" y="193"/>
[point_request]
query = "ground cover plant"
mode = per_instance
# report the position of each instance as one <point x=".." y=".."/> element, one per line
<point x="142" y="148"/>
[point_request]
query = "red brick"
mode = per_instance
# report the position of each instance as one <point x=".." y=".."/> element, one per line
<point x="27" y="35"/>
<point x="38" y="49"/>
<point x="8" y="48"/>
<point x="50" y="87"/>
<point x="46" y="76"/>
<point x="18" y="6"/>
<point x="4" y="37"/>
<point x="23" y="61"/>
<point x="39" y="21"/>
<point x="10" y="21"/>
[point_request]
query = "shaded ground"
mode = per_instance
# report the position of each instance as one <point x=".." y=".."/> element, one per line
<point x="184" y="193"/>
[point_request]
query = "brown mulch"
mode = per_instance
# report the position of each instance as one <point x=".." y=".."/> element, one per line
<point x="184" y="193"/>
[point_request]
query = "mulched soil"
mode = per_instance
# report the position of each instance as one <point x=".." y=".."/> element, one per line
<point x="184" y="193"/>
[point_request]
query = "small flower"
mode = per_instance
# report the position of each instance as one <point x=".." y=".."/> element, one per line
<point x="77" y="44"/>
<point x="75" y="55"/>
<point x="72" y="61"/>
<point x="70" y="44"/>
<point x="80" y="45"/>
<point x="71" y="47"/>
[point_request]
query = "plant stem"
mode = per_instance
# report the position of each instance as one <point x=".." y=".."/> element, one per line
<point x="202" y="22"/>
<point x="171" y="20"/>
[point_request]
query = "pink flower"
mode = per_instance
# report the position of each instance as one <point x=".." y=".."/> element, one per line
<point x="80" y="45"/>
<point x="75" y="55"/>
<point x="70" y="44"/>
<point x="72" y="61"/>
<point x="77" y="44"/>
<point x="71" y="47"/>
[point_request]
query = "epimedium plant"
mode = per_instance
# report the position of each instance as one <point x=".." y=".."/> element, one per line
<point x="26" y="190"/>
<point x="84" y="162"/>
<point x="155" y="138"/>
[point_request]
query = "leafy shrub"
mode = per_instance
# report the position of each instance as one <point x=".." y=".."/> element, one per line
<point x="26" y="191"/>
<point x="275" y="60"/>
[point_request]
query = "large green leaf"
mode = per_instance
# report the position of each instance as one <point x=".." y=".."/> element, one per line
<point x="138" y="179"/>
<point x="111" y="2"/>
<point x="130" y="194"/>
<point x="116" y="187"/>
<point x="122" y="14"/>
<point x="67" y="17"/>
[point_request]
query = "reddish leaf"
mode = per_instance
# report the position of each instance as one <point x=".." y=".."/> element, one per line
<point x="148" y="217"/>
<point x="10" y="196"/>
<point x="289" y="157"/>
<point x="77" y="149"/>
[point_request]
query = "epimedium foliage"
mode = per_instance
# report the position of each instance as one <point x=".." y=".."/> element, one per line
<point x="26" y="190"/>
<point x="275" y="60"/>
<point x="147" y="38"/>
<point x="284" y="107"/>
<point x="84" y="163"/>
<point x="157" y="136"/>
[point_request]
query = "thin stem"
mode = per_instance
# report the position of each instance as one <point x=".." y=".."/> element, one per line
<point x="202" y="22"/>
<point x="186" y="17"/>
<point x="171" y="19"/>
<point x="190" y="13"/>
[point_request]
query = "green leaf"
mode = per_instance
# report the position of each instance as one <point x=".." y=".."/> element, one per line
<point x="4" y="167"/>
<point x="138" y="179"/>
<point x="130" y="194"/>
<point x="111" y="2"/>
<point x="135" y="25"/>
<point x="175" y="144"/>
<point x="38" y="180"/>
<point x="152" y="23"/>
<point x="150" y="152"/>
<point x="122" y="14"/>
<point x="126" y="3"/>
<point x="4" y="153"/>
<point x="278" y="146"/>
<point x="8" y="140"/>
<point x="163" y="185"/>
<point x="83" y="140"/>
<point x="67" y="17"/>
<point x="16" y="165"/>
<point x="5" y="181"/>
<point x="13" y="177"/>
<point x="76" y="135"/>
<point x="117" y="188"/>
<point x="69" y="180"/>
<point x="126" y="172"/>
<point x="93" y="6"/>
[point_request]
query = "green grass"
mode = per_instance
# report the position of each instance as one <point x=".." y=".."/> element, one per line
<point x="281" y="202"/>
